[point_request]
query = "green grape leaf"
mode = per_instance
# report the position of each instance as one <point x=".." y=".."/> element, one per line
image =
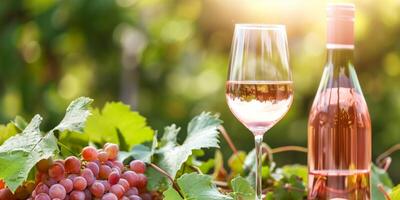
<point x="141" y="152"/>
<point x="202" y="133"/>
<point x="379" y="176"/>
<point x="395" y="194"/>
<point x="20" y="123"/>
<point x="170" y="156"/>
<point x="171" y="194"/>
<point x="102" y="126"/>
<point x="75" y="116"/>
<point x="156" y="181"/>
<point x="197" y="187"/>
<point x="20" y="153"/>
<point x="297" y="170"/>
<point x="242" y="189"/>
<point x="282" y="192"/>
<point x="6" y="131"/>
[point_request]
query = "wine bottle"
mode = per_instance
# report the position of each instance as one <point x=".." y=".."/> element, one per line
<point x="339" y="126"/>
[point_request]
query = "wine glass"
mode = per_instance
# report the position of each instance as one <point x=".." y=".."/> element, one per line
<point x="259" y="89"/>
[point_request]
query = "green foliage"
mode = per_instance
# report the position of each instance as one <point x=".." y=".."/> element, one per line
<point x="20" y="153"/>
<point x="197" y="186"/>
<point x="242" y="189"/>
<point x="6" y="131"/>
<point x="170" y="156"/>
<point x="102" y="126"/>
<point x="379" y="177"/>
<point x="395" y="194"/>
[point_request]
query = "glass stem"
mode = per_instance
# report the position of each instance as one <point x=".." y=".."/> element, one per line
<point x="258" y="142"/>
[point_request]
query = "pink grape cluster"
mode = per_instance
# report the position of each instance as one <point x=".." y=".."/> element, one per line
<point x="97" y="176"/>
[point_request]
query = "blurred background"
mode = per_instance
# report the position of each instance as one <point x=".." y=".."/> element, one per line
<point x="168" y="59"/>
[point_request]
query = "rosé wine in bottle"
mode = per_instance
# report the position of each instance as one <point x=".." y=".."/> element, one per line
<point x="259" y="104"/>
<point x="339" y="126"/>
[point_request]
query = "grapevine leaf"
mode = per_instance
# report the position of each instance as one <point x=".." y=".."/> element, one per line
<point x="202" y="133"/>
<point x="141" y="152"/>
<point x="6" y="131"/>
<point x="395" y="194"/>
<point x="20" y="153"/>
<point x="380" y="176"/>
<point x="75" y="116"/>
<point x="242" y="189"/>
<point x="297" y="170"/>
<point x="102" y="126"/>
<point x="199" y="187"/>
<point x="171" y="194"/>
<point x="282" y="192"/>
<point x="20" y="123"/>
<point x="169" y="138"/>
<point x="156" y="181"/>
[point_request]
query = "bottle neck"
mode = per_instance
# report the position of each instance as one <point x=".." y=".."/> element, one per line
<point x="339" y="57"/>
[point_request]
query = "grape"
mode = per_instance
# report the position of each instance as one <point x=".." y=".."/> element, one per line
<point x="102" y="156"/>
<point x="104" y="171"/>
<point x="97" y="189"/>
<point x="132" y="191"/>
<point x="116" y="169"/>
<point x="42" y="188"/>
<point x="41" y="177"/>
<point x="72" y="176"/>
<point x="57" y="191"/>
<point x="106" y="185"/>
<point x="79" y="183"/>
<point x="119" y="165"/>
<point x="93" y="167"/>
<point x="109" y="163"/>
<point x="51" y="181"/>
<point x="72" y="165"/>
<point x="124" y="184"/>
<point x="112" y="151"/>
<point x="113" y="178"/>
<point x="89" y="153"/>
<point x="125" y="198"/>
<point x="131" y="177"/>
<point x="88" y="175"/>
<point x="109" y="196"/>
<point x="118" y="190"/>
<point x="134" y="197"/>
<point x="146" y="196"/>
<point x="56" y="199"/>
<point x="43" y="165"/>
<point x="138" y="166"/>
<point x="67" y="184"/>
<point x="88" y="195"/>
<point x="142" y="180"/>
<point x="77" y="195"/>
<point x="56" y="171"/>
<point x="6" y="193"/>
<point x="42" y="196"/>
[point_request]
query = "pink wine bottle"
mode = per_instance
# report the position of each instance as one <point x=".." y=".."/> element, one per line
<point x="339" y="126"/>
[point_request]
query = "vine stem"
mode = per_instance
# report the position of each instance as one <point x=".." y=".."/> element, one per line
<point x="387" y="153"/>
<point x="228" y="139"/>
<point x="161" y="171"/>
<point x="381" y="189"/>
<point x="289" y="148"/>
